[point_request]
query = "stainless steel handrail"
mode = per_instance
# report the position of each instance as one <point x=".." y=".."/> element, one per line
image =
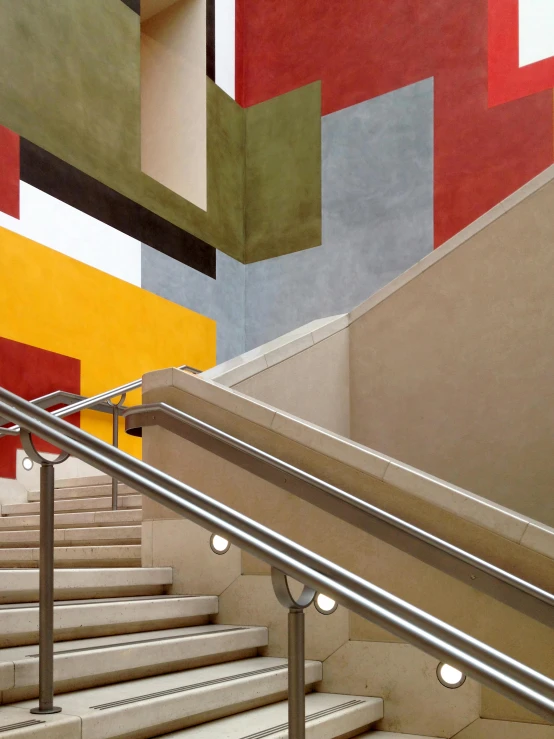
<point x="85" y="403"/>
<point x="470" y="569"/>
<point x="102" y="402"/>
<point x="61" y="397"/>
<point x="490" y="667"/>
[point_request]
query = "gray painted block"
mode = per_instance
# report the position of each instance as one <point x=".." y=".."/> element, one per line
<point x="221" y="299"/>
<point x="377" y="215"/>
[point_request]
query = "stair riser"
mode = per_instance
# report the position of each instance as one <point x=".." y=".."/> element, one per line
<point x="92" y="536"/>
<point x="21" y="586"/>
<point x="81" y="683"/>
<point x="128" y="517"/>
<point x="96" y="491"/>
<point x="107" y="542"/>
<point x="20" y="626"/>
<point x="95" y="556"/>
<point x="85" y="670"/>
<point x="83" y="505"/>
<point x="74" y="563"/>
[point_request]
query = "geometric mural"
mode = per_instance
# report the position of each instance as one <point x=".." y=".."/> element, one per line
<point x="361" y="50"/>
<point x="32" y="372"/>
<point x="9" y="172"/>
<point x="521" y="49"/>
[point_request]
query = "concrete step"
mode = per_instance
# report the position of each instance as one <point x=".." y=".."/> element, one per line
<point x="104" y="660"/>
<point x="21" y="586"/>
<point x="93" y="535"/>
<point x="80" y="619"/>
<point x="74" y="482"/>
<point x="78" y="520"/>
<point x="69" y="506"/>
<point x="328" y="716"/>
<point x="150" y="707"/>
<point x="122" y="555"/>
<point x="393" y="735"/>
<point x="85" y="491"/>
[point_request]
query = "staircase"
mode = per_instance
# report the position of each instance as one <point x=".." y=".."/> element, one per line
<point x="133" y="661"/>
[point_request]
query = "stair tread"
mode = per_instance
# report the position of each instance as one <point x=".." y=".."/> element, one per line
<point x="78" y="504"/>
<point x="342" y="714"/>
<point x="86" y="491"/>
<point x="77" y="536"/>
<point x="154" y="705"/>
<point x="73" y="482"/>
<point x="71" y="520"/>
<point x="100" y="656"/>
<point x="96" y="617"/>
<point x="56" y="726"/>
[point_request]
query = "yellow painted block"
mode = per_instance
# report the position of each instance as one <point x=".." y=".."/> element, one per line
<point x="117" y="330"/>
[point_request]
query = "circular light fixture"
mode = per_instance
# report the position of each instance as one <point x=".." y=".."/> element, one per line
<point x="325" y="605"/>
<point x="27" y="463"/>
<point x="219" y="545"/>
<point x="450" y="676"/>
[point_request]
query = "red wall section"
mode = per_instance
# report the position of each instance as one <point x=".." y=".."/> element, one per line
<point x="32" y="372"/>
<point x="9" y="172"/>
<point x="363" y="49"/>
<point x="507" y="80"/>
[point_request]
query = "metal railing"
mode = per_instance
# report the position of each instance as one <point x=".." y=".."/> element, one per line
<point x="103" y="402"/>
<point x="492" y="668"/>
<point x="464" y="566"/>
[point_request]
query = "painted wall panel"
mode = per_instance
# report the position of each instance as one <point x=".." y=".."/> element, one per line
<point x="51" y="222"/>
<point x="9" y="172"/>
<point x="32" y="372"/>
<point x="221" y="299"/>
<point x="536" y="31"/>
<point x="225" y="46"/>
<point x="377" y="176"/>
<point x="283" y="174"/>
<point x="508" y="79"/>
<point x="173" y="99"/>
<point x="68" y="184"/>
<point x="77" y="95"/>
<point x="117" y="330"/>
<point x="361" y="50"/>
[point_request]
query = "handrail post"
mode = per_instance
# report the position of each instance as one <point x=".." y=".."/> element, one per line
<point x="296" y="651"/>
<point x="46" y="576"/>
<point x="115" y="441"/>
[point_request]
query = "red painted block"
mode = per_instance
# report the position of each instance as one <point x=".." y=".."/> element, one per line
<point x="362" y="49"/>
<point x="32" y="372"/>
<point x="507" y="80"/>
<point x="9" y="172"/>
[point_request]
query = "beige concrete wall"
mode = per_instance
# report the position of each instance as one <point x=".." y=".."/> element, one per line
<point x="454" y="372"/>
<point x="312" y="385"/>
<point x="358" y="657"/>
<point x="173" y="99"/>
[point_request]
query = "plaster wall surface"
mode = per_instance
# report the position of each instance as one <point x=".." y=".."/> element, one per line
<point x="377" y="210"/>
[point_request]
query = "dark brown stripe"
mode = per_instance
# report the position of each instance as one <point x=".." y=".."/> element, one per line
<point x="210" y="39"/>
<point x="133" y="4"/>
<point x="52" y="175"/>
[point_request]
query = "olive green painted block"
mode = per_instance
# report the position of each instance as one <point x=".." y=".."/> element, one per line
<point x="283" y="174"/>
<point x="223" y="223"/>
<point x="70" y="83"/>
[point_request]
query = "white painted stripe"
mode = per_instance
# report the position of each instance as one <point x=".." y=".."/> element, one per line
<point x="225" y="45"/>
<point x="65" y="229"/>
<point x="536" y="31"/>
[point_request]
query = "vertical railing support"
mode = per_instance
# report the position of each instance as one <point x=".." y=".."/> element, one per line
<point x="46" y="576"/>
<point x="115" y="441"/>
<point x="296" y="655"/>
